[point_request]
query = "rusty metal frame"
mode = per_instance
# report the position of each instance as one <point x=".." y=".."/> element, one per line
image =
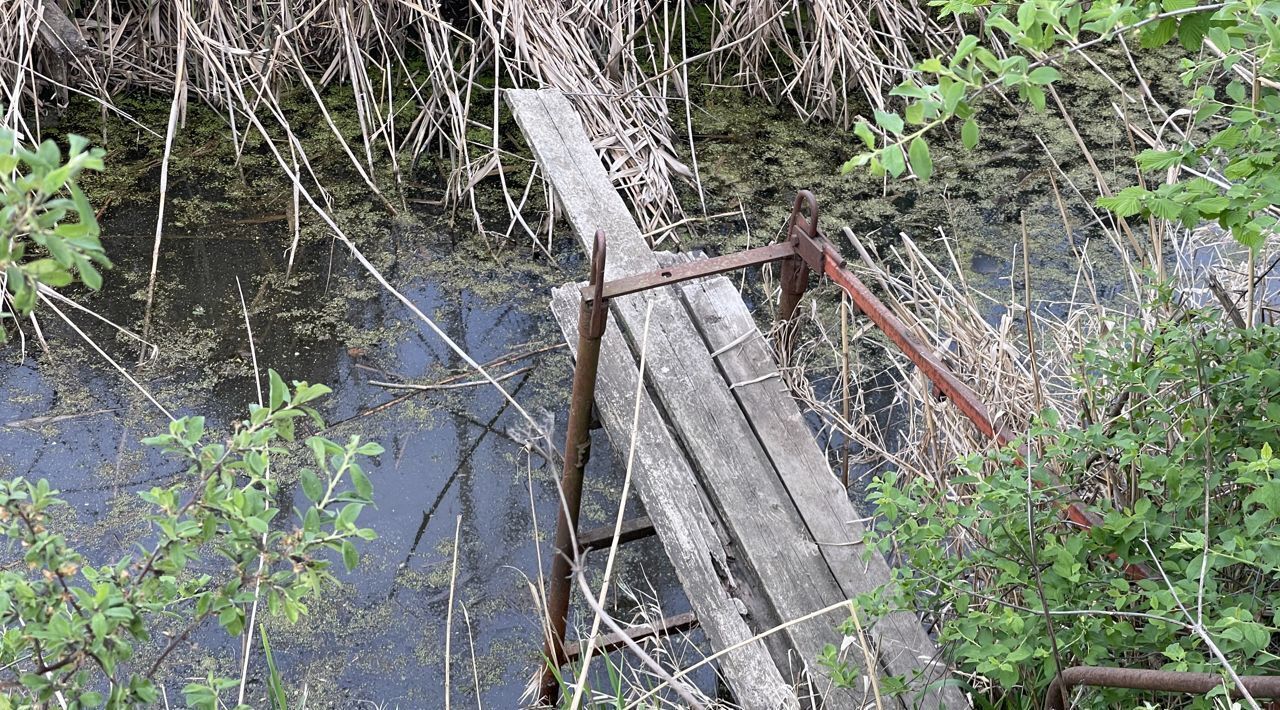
<point x="1145" y="679"/>
<point x="592" y="318"/>
<point x="804" y="249"/>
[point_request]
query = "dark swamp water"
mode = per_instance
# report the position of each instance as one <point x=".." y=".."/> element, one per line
<point x="379" y="635"/>
<point x="377" y="638"/>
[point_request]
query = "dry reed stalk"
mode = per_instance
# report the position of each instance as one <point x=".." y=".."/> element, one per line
<point x="247" y="644"/>
<point x="448" y="623"/>
<point x="819" y="55"/>
<point x="414" y="77"/>
<point x="990" y="356"/>
<point x="175" y="114"/>
<point x="572" y="47"/>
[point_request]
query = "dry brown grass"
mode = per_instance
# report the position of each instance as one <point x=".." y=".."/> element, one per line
<point x="419" y="79"/>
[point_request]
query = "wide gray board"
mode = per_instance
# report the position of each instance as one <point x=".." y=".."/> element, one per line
<point x="667" y="487"/>
<point x="747" y="363"/>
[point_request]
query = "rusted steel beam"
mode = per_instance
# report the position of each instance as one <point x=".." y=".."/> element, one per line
<point x="826" y="260"/>
<point x="802" y="235"/>
<point x="577" y="450"/>
<point x="602" y="537"/>
<point x="691" y="270"/>
<point x="1144" y="679"/>
<point x="612" y="642"/>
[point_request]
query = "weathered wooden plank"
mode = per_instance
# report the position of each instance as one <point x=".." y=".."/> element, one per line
<point x="736" y="473"/>
<point x="747" y="363"/>
<point x="669" y="490"/>
<point x="583" y="190"/>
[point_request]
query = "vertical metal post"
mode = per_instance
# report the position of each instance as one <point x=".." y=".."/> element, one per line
<point x="795" y="269"/>
<point x="577" y="450"/>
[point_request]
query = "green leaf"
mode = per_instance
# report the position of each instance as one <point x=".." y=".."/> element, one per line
<point x="921" y="161"/>
<point x="350" y="558"/>
<point x="58" y="247"/>
<point x="98" y="623"/>
<point x="48" y="271"/>
<point x="915" y="113"/>
<point x="1036" y="96"/>
<point x="256" y="524"/>
<point x="1126" y="203"/>
<point x="909" y="90"/>
<point x="1159" y="34"/>
<point x="1192" y="30"/>
<point x="963" y="48"/>
<point x="347" y="516"/>
<point x="279" y="391"/>
<point x="312" y="488"/>
<point x="969" y="134"/>
<point x="1212" y="206"/>
<point x="863" y="131"/>
<point x="1220" y="39"/>
<point x="1026" y="15"/>
<point x="891" y="122"/>
<point x="85" y="210"/>
<point x="893" y="160"/>
<point x="1159" y="159"/>
<point x="1164" y="208"/>
<point x="1236" y="91"/>
<point x="90" y="275"/>
<point x="933" y="65"/>
<point x="951" y="96"/>
<point x="1043" y="75"/>
<point x="360" y="481"/>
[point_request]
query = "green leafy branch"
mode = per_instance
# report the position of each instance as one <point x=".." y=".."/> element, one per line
<point x="38" y="191"/>
<point x="1193" y="486"/>
<point x="71" y="627"/>
<point x="1242" y="136"/>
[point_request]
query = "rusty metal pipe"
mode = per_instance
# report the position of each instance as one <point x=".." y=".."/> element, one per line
<point x="592" y="318"/>
<point x="1259" y="686"/>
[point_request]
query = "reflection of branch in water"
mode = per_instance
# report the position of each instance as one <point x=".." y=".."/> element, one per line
<point x="504" y="360"/>
<point x="36" y="422"/>
<point x="486" y="429"/>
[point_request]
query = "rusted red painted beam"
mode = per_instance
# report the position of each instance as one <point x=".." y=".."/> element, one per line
<point x="960" y="394"/>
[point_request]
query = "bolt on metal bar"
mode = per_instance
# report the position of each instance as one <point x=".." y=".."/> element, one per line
<point x="1145" y="679"/>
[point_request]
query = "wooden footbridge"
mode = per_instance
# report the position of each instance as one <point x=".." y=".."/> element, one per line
<point x="759" y="530"/>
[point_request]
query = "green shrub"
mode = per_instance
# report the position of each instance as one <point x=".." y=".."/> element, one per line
<point x="1190" y="452"/>
<point x="71" y="625"/>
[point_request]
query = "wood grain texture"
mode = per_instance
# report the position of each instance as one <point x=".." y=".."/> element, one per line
<point x="746" y="361"/>
<point x="721" y="450"/>
<point x="667" y="487"/>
